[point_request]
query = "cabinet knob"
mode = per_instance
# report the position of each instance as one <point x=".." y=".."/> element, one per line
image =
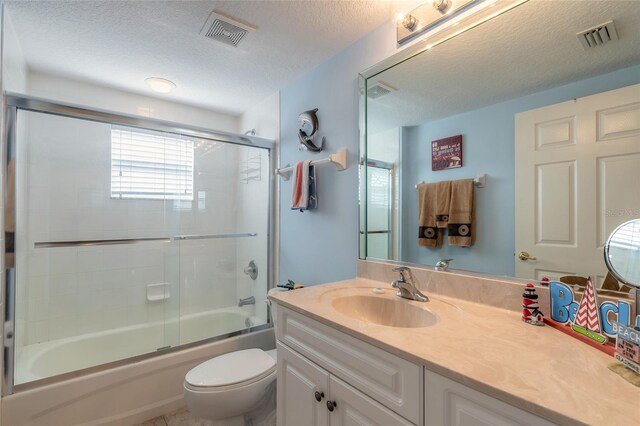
<point x="319" y="396"/>
<point x="331" y="405"/>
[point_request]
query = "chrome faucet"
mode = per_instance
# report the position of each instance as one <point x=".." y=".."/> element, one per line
<point x="407" y="289"/>
<point x="247" y="301"/>
<point x="443" y="264"/>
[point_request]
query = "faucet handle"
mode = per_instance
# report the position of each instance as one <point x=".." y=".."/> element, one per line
<point x="400" y="269"/>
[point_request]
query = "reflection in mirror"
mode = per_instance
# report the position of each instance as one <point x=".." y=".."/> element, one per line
<point x="554" y="126"/>
<point x="622" y="253"/>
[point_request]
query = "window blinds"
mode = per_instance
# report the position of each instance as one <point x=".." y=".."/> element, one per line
<point x="151" y="165"/>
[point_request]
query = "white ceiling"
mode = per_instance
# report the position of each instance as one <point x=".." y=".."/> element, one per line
<point x="120" y="43"/>
<point x="529" y="49"/>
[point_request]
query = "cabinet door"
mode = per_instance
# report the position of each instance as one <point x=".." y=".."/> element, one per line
<point x="352" y="407"/>
<point x="298" y="381"/>
<point x="452" y="404"/>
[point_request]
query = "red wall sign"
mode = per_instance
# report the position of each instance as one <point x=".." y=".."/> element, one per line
<point x="446" y="153"/>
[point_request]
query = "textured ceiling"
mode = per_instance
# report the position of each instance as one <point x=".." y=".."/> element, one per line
<point x="120" y="43"/>
<point x="529" y="49"/>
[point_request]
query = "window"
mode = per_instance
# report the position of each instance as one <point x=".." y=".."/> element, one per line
<point x="151" y="165"/>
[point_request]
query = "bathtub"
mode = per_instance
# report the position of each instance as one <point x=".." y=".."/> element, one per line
<point x="126" y="392"/>
<point x="41" y="360"/>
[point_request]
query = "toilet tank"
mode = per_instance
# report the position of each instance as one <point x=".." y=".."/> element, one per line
<point x="273" y="306"/>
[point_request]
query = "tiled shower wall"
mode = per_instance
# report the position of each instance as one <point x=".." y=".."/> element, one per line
<point x="64" y="165"/>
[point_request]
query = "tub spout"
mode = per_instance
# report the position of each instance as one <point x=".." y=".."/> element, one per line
<point x="247" y="301"/>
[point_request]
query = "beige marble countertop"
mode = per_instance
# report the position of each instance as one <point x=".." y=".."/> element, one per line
<point x="538" y="369"/>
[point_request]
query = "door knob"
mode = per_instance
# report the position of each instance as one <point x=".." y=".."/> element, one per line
<point x="331" y="405"/>
<point x="523" y="255"/>
<point x="319" y="396"/>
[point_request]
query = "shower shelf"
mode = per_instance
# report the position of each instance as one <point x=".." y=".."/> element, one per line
<point x="252" y="169"/>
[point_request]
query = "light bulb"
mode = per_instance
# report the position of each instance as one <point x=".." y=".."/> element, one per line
<point x="160" y="85"/>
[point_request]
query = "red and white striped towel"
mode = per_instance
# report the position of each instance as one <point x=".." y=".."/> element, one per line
<point x="300" y="197"/>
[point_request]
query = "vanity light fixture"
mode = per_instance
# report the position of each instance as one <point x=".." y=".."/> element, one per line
<point x="160" y="85"/>
<point x="409" y="22"/>
<point x="438" y="17"/>
<point x="442" y="6"/>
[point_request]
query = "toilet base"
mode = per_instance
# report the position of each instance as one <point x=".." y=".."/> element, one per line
<point x="254" y="403"/>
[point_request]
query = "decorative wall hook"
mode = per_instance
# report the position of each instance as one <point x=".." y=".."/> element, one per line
<point x="309" y="125"/>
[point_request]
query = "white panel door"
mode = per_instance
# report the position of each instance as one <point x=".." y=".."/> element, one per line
<point x="298" y="382"/>
<point x="577" y="177"/>
<point x="353" y="408"/>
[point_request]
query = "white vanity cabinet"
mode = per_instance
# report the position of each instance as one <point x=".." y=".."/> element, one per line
<point x="308" y="395"/>
<point x="366" y="385"/>
<point x="302" y="389"/>
<point x="447" y="402"/>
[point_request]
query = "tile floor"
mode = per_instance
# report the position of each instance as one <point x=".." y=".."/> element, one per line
<point x="180" y="417"/>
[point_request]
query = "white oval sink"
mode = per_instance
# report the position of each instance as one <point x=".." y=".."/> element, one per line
<point x="384" y="311"/>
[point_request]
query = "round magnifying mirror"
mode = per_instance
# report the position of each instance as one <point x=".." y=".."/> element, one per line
<point x="622" y="253"/>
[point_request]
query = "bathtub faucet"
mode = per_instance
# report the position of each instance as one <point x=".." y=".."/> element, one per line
<point x="247" y="301"/>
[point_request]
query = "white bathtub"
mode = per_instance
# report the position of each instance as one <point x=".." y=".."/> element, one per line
<point x="123" y="395"/>
<point x="56" y="357"/>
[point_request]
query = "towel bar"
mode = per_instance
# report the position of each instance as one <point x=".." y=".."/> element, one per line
<point x="339" y="159"/>
<point x="479" y="182"/>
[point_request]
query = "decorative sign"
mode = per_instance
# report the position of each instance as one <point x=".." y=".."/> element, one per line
<point x="589" y="318"/>
<point x="628" y="346"/>
<point x="446" y="153"/>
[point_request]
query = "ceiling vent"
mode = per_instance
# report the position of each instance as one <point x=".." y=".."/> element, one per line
<point x="379" y="89"/>
<point x="225" y="30"/>
<point x="598" y="35"/>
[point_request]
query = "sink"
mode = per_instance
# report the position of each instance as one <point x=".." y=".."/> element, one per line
<point x="384" y="311"/>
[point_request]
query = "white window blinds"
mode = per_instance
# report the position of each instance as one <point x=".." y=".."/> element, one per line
<point x="151" y="165"/>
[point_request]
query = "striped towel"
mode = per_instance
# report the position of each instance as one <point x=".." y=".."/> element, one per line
<point x="304" y="187"/>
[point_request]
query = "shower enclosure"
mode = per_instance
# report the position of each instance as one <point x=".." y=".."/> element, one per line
<point x="127" y="237"/>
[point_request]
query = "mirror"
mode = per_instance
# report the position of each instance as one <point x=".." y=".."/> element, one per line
<point x="622" y="253"/>
<point x="554" y="126"/>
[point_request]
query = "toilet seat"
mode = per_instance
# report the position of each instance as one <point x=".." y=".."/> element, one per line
<point x="231" y="370"/>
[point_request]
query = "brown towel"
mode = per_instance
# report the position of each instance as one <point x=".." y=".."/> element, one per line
<point x="428" y="233"/>
<point x="443" y="203"/>
<point x="461" y="214"/>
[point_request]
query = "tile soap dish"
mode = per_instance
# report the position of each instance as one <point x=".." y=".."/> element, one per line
<point x="159" y="291"/>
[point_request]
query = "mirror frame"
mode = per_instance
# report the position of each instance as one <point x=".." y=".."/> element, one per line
<point x="607" y="260"/>
<point x="418" y="46"/>
<point x="473" y="17"/>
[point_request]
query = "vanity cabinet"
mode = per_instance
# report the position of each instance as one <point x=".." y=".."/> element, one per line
<point x="372" y="385"/>
<point x="447" y="402"/>
<point x="302" y="389"/>
<point x="310" y="395"/>
<point x="366" y="385"/>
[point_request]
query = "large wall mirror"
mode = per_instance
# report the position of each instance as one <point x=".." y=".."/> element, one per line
<point x="552" y="123"/>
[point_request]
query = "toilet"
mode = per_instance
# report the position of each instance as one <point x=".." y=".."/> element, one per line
<point x="231" y="385"/>
<point x="235" y="385"/>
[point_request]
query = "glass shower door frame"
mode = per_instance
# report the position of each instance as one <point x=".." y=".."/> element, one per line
<point x="13" y="104"/>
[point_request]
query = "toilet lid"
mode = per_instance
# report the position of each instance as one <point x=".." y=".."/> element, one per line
<point x="231" y="368"/>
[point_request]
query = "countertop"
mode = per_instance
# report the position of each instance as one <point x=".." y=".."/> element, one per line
<point x="538" y="369"/>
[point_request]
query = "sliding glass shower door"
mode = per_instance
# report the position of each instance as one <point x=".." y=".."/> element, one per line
<point x="130" y="241"/>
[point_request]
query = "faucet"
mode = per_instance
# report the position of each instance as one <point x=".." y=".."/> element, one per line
<point x="407" y="289"/>
<point x="247" y="301"/>
<point x="443" y="264"/>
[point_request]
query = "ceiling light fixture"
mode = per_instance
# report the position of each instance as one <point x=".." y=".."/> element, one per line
<point x="160" y="85"/>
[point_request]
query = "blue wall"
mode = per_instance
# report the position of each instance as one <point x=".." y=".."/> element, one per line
<point x="488" y="147"/>
<point x="322" y="245"/>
